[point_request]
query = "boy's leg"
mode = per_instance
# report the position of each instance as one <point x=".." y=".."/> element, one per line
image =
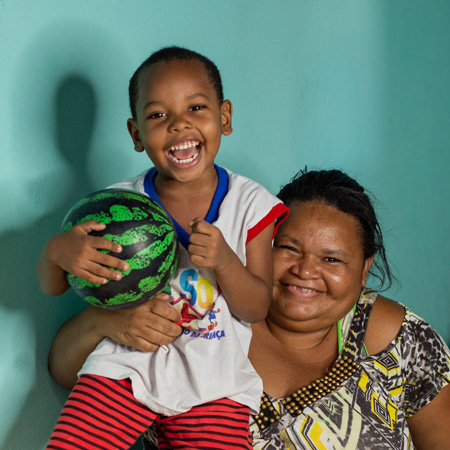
<point x="100" y="413"/>
<point x="222" y="424"/>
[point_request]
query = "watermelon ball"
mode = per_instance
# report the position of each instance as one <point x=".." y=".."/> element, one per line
<point x="149" y="245"/>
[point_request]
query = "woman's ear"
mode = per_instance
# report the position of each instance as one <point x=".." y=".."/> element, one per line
<point x="227" y="112"/>
<point x="367" y="264"/>
<point x="135" y="135"/>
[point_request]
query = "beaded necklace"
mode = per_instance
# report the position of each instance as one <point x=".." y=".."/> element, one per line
<point x="343" y="369"/>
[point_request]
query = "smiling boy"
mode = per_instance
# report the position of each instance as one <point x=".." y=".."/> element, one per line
<point x="225" y="224"/>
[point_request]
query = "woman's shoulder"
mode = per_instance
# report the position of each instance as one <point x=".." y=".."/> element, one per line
<point x="384" y="324"/>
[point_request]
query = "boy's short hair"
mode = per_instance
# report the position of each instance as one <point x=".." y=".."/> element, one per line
<point x="170" y="54"/>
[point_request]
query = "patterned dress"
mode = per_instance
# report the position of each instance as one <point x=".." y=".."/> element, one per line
<point x="366" y="404"/>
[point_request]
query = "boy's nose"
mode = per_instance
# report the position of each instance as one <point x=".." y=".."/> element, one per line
<point x="179" y="123"/>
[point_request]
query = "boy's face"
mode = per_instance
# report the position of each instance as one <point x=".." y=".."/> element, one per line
<point x="179" y="120"/>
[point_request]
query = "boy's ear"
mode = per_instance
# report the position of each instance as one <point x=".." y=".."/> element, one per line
<point x="135" y="135"/>
<point x="227" y="112"/>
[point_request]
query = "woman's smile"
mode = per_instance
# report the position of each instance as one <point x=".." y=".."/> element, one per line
<point x="302" y="291"/>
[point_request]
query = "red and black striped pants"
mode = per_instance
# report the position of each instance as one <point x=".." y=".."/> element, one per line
<point x="102" y="414"/>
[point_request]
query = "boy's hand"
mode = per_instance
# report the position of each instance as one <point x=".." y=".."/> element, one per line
<point x="76" y="252"/>
<point x="208" y="248"/>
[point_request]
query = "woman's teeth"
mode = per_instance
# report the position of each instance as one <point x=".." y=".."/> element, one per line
<point x="302" y="289"/>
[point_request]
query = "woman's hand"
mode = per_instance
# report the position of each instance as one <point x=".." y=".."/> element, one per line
<point x="145" y="327"/>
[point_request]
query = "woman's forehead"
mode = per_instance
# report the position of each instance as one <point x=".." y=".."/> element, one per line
<point x="318" y="220"/>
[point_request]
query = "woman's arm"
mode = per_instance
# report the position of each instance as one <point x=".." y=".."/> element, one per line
<point x="429" y="427"/>
<point x="145" y="327"/>
<point x="384" y="324"/>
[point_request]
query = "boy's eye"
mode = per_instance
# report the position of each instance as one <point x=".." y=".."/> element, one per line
<point x="156" y="115"/>
<point x="197" y="107"/>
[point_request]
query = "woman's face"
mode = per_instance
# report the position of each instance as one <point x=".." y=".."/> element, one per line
<point x="319" y="267"/>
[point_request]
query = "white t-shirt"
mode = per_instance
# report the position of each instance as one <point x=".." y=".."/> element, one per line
<point x="209" y="360"/>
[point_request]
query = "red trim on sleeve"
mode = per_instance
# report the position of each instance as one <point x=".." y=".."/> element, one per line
<point x="277" y="214"/>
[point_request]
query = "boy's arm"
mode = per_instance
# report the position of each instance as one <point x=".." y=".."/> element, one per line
<point x="145" y="327"/>
<point x="76" y="252"/>
<point x="247" y="289"/>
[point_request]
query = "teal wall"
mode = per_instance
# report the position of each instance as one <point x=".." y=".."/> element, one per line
<point x="360" y="85"/>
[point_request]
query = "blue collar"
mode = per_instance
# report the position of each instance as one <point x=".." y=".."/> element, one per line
<point x="213" y="212"/>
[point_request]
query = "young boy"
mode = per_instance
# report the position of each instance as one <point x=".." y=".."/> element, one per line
<point x="201" y="388"/>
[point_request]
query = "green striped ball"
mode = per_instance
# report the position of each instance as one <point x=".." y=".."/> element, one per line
<point x="149" y="245"/>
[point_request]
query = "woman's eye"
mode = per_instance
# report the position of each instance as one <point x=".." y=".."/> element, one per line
<point x="332" y="260"/>
<point x="287" y="248"/>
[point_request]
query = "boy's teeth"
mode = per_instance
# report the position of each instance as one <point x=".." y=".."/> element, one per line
<point x="184" y="146"/>
<point x="184" y="161"/>
<point x="187" y="149"/>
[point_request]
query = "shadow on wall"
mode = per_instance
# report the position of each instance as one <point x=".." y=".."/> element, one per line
<point x="56" y="137"/>
<point x="75" y="113"/>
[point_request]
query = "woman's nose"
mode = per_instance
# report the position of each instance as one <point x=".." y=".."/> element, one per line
<point x="306" y="267"/>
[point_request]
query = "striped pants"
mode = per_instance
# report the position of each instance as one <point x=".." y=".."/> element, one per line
<point x="102" y="414"/>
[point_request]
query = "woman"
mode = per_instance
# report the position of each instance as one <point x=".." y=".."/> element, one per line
<point x="346" y="381"/>
<point x="342" y="366"/>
